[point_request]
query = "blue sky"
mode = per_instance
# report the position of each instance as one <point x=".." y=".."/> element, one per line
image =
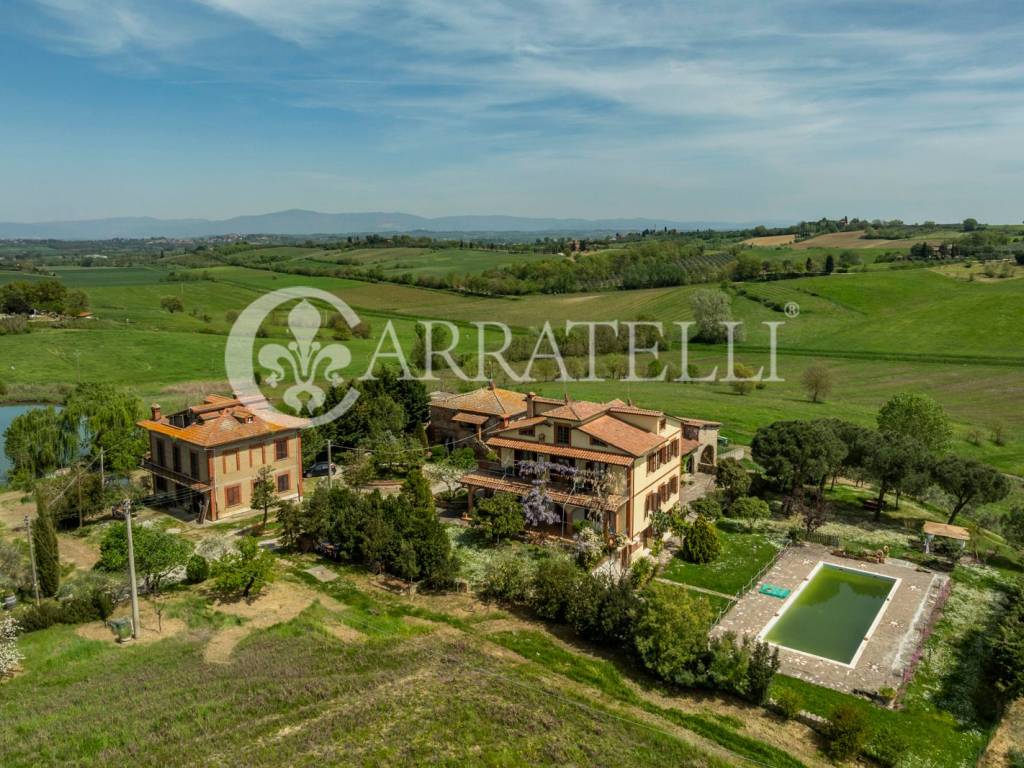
<point x="731" y="111"/>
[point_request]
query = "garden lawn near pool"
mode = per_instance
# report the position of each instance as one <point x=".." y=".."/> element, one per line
<point x="743" y="556"/>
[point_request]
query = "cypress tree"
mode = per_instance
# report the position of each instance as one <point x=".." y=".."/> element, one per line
<point x="44" y="539"/>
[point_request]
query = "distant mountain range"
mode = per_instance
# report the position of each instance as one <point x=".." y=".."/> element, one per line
<point x="301" y="222"/>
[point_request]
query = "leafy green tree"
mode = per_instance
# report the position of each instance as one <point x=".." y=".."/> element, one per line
<point x="417" y="489"/>
<point x="1013" y="526"/>
<point x="701" y="544"/>
<point x="969" y="483"/>
<point x="969" y="225"/>
<point x="499" y="516"/>
<point x="751" y="509"/>
<point x="671" y="635"/>
<point x="34" y="445"/>
<point x="264" y="495"/>
<point x="710" y="310"/>
<point x="157" y="553"/>
<point x="761" y="669"/>
<point x="817" y="380"/>
<point x="244" y="573"/>
<point x="747" y="267"/>
<point x="830" y="264"/>
<point x="900" y="464"/>
<point x="104" y="417"/>
<point x="552" y="586"/>
<point x="916" y="417"/>
<point x="172" y="304"/>
<point x="197" y="569"/>
<point x="706" y="507"/>
<point x="44" y="540"/>
<point x="732" y="479"/>
<point x="744" y="382"/>
<point x="451" y="468"/>
<point x="1004" y="659"/>
<point x="795" y="453"/>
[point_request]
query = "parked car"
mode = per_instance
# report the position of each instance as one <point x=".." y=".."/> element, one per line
<point x="319" y="469"/>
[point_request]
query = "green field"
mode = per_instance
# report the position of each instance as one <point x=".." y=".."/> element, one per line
<point x="880" y="332"/>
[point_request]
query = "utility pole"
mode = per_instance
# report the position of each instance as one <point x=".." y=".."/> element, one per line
<point x="330" y="474"/>
<point x="136" y="630"/>
<point x="32" y="557"/>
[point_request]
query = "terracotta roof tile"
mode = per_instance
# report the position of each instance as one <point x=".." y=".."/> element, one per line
<point x="470" y="418"/>
<point x="577" y="410"/>
<point x="497" y="402"/>
<point x="561" y="450"/>
<point x="218" y="421"/>
<point x="621" y="435"/>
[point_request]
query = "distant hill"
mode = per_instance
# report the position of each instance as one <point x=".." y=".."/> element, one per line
<point x="301" y="222"/>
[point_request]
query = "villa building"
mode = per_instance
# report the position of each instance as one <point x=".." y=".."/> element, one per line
<point x="206" y="457"/>
<point x="466" y="420"/>
<point x="612" y="464"/>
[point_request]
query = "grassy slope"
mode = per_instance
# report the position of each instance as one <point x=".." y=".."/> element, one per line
<point x="295" y="696"/>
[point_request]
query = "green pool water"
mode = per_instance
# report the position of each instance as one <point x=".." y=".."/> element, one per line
<point x="832" y="613"/>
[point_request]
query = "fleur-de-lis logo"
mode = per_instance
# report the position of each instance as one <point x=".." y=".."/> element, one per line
<point x="304" y="360"/>
<point x="306" y="356"/>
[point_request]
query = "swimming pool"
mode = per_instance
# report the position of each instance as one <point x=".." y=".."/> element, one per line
<point x="832" y="614"/>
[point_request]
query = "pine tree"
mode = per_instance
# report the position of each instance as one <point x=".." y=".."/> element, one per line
<point x="44" y="539"/>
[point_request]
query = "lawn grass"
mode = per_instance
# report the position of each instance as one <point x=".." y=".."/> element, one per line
<point x="295" y="696"/>
<point x="743" y="556"/>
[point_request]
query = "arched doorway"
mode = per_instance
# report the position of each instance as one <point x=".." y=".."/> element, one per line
<point x="707" y="459"/>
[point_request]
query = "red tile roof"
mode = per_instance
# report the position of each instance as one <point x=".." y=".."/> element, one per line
<point x="218" y="420"/>
<point x="494" y="402"/>
<point x="560" y="450"/>
<point x="470" y="418"/>
<point x="621" y="435"/>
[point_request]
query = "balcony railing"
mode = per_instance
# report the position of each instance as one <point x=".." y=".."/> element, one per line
<point x="177" y="477"/>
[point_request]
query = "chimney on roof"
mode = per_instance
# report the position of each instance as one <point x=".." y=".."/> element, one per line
<point x="529" y="404"/>
<point x="154" y="411"/>
<point x="490" y="385"/>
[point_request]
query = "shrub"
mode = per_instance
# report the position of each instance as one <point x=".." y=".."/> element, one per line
<point x="499" y="516"/>
<point x="1015" y="758"/>
<point x="246" y="572"/>
<point x="642" y="571"/>
<point x="671" y="635"/>
<point x="751" y="509"/>
<point x="507" y="578"/>
<point x="700" y="545"/>
<point x="764" y="663"/>
<point x="846" y="732"/>
<point x="707" y="507"/>
<point x="197" y="569"/>
<point x="583" y="611"/>
<point x="552" y="588"/>
<point x="35" y="617"/>
<point x="789" y="703"/>
<point x="888" y="746"/>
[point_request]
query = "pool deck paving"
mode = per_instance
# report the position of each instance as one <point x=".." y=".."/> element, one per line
<point x="886" y="654"/>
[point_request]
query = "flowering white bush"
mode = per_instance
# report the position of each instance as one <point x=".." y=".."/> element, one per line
<point x="10" y="656"/>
